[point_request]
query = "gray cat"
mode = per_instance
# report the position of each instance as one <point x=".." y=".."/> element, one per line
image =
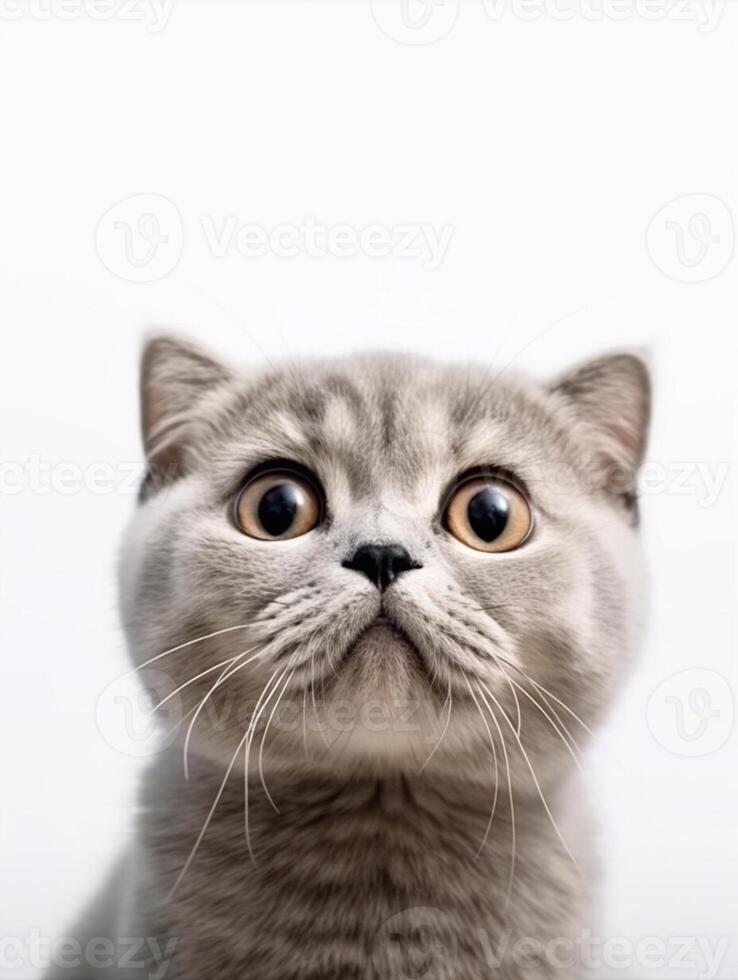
<point x="395" y="596"/>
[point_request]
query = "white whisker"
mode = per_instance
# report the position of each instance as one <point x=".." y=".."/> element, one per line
<point x="263" y="740"/>
<point x="304" y="723"/>
<point x="192" y="680"/>
<point x="261" y="705"/>
<point x="555" y="727"/>
<point x="315" y="706"/>
<point x="545" y="691"/>
<point x="189" y="643"/>
<point x="535" y="781"/>
<point x="449" y="701"/>
<point x="228" y="672"/>
<point x="510" y="797"/>
<point x="515" y="698"/>
<point x="497" y="772"/>
<point x="209" y="817"/>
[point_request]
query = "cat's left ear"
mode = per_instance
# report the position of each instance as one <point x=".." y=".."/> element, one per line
<point x="176" y="376"/>
<point x="610" y="399"/>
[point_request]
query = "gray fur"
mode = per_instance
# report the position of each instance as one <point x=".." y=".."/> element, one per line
<point x="372" y="868"/>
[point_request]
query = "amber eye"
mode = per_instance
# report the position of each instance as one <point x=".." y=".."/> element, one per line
<point x="489" y="515"/>
<point x="277" y="506"/>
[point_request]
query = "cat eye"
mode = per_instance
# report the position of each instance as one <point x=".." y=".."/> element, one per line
<point x="489" y="514"/>
<point x="277" y="506"/>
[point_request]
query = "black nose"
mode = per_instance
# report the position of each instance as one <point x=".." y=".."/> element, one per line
<point x="381" y="563"/>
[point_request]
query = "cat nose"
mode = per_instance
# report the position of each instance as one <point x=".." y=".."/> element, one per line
<point x="381" y="563"/>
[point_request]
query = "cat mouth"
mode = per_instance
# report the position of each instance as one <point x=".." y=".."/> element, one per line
<point x="383" y="632"/>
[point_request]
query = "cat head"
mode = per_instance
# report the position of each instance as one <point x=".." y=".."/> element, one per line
<point x="391" y="562"/>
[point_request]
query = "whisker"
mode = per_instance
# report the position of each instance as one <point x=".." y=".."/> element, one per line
<point x="192" y="680"/>
<point x="189" y="643"/>
<point x="566" y="707"/>
<point x="555" y="727"/>
<point x="315" y="706"/>
<point x="497" y="774"/>
<point x="510" y="796"/>
<point x="304" y="723"/>
<point x="545" y="691"/>
<point x="250" y="731"/>
<point x="449" y="701"/>
<point x="561" y="724"/>
<point x="263" y="740"/>
<point x="511" y="685"/>
<point x="535" y="781"/>
<point x="228" y="672"/>
<point x="209" y="817"/>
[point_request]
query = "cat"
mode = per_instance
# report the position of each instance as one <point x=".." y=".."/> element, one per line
<point x="397" y="595"/>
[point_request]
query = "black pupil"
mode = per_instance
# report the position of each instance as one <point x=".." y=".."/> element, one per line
<point x="488" y="512"/>
<point x="278" y="508"/>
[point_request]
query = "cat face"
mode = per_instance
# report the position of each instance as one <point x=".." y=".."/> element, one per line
<point x="412" y="560"/>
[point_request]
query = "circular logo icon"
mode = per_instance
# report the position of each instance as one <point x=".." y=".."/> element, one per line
<point x="692" y="712"/>
<point x="415" y="22"/>
<point x="141" y="238"/>
<point x="415" y="944"/>
<point x="130" y="715"/>
<point x="692" y="238"/>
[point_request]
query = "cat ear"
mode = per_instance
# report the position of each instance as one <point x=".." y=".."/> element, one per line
<point x="175" y="376"/>
<point x="610" y="399"/>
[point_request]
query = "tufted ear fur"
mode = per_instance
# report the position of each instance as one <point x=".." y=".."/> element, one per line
<point x="175" y="376"/>
<point x="610" y="401"/>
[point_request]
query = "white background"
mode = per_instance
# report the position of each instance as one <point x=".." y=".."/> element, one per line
<point x="547" y="145"/>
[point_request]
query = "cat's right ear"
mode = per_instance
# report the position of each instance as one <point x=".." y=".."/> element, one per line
<point x="609" y="403"/>
<point x="175" y="376"/>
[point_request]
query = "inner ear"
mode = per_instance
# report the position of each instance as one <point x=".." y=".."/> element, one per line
<point x="176" y="376"/>
<point x="609" y="402"/>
